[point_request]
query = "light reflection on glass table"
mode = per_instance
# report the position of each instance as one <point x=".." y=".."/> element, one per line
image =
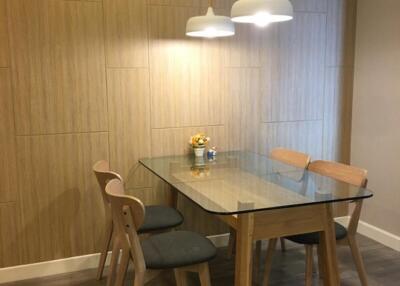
<point x="237" y="182"/>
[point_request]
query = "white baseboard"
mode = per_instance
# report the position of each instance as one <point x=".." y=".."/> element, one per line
<point x="79" y="263"/>
<point x="72" y="264"/>
<point x="382" y="236"/>
<point x="48" y="268"/>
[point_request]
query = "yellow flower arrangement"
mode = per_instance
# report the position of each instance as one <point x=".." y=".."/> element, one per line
<point x="199" y="140"/>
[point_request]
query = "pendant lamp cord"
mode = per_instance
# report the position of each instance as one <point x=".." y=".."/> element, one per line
<point x="210" y="3"/>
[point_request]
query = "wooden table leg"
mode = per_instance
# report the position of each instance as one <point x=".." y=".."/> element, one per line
<point x="321" y="261"/>
<point x="257" y="261"/>
<point x="328" y="245"/>
<point x="244" y="249"/>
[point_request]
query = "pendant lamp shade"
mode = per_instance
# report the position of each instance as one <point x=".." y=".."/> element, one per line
<point x="261" y="12"/>
<point x="210" y="26"/>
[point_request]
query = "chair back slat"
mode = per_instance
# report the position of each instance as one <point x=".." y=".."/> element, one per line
<point x="348" y="174"/>
<point x="341" y="172"/>
<point x="103" y="175"/>
<point x="128" y="215"/>
<point x="290" y="157"/>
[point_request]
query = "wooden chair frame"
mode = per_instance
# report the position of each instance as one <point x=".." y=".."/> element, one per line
<point x="290" y="157"/>
<point x="103" y="174"/>
<point x="293" y="158"/>
<point x="348" y="174"/>
<point x="128" y="215"/>
<point x="286" y="156"/>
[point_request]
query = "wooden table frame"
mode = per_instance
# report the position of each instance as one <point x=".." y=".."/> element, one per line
<point x="262" y="225"/>
<point x="268" y="224"/>
<point x="257" y="225"/>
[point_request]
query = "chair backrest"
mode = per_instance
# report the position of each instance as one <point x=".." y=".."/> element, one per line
<point x="128" y="215"/>
<point x="103" y="174"/>
<point x="290" y="157"/>
<point x="341" y="172"/>
<point x="344" y="173"/>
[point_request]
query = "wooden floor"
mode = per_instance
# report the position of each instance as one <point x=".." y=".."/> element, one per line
<point x="382" y="264"/>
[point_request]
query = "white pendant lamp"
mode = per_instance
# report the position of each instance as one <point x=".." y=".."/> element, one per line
<point x="210" y="25"/>
<point x="261" y="12"/>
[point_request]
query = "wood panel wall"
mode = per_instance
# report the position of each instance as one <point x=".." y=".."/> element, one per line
<point x="117" y="79"/>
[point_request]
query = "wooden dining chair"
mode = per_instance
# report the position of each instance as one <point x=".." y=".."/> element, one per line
<point x="158" y="218"/>
<point x="344" y="173"/>
<point x="182" y="251"/>
<point x="286" y="156"/>
<point x="292" y="158"/>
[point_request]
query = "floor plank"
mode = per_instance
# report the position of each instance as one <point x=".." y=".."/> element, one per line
<point x="382" y="265"/>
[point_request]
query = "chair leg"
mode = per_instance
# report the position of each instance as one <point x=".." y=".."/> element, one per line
<point x="283" y="244"/>
<point x="114" y="262"/>
<point x="123" y="266"/>
<point x="180" y="277"/>
<point x="321" y="268"/>
<point x="139" y="279"/>
<point x="268" y="260"/>
<point x="104" y="250"/>
<point x="309" y="264"/>
<point x="231" y="243"/>
<point x="257" y="261"/>
<point x="204" y="274"/>
<point x="358" y="260"/>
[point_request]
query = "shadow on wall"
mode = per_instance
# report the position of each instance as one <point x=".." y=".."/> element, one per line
<point x="70" y="234"/>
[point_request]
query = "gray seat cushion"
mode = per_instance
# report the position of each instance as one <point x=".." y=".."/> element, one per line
<point x="313" y="237"/>
<point x="160" y="218"/>
<point x="176" y="249"/>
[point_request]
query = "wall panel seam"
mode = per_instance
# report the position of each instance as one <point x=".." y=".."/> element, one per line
<point x="62" y="133"/>
<point x="289" y="121"/>
<point x="95" y="1"/>
<point x="189" y="126"/>
<point x="8" y="37"/>
<point x="106" y="75"/>
<point x="127" y="68"/>
<point x="324" y="84"/>
<point x="205" y="7"/>
<point x="150" y="94"/>
<point x="12" y="91"/>
<point x="7" y="203"/>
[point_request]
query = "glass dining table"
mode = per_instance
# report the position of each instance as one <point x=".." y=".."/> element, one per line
<point x="260" y="199"/>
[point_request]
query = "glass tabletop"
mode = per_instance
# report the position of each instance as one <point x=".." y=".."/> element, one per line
<point x="237" y="182"/>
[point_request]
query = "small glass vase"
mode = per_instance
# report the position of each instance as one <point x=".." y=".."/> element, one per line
<point x="199" y="151"/>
